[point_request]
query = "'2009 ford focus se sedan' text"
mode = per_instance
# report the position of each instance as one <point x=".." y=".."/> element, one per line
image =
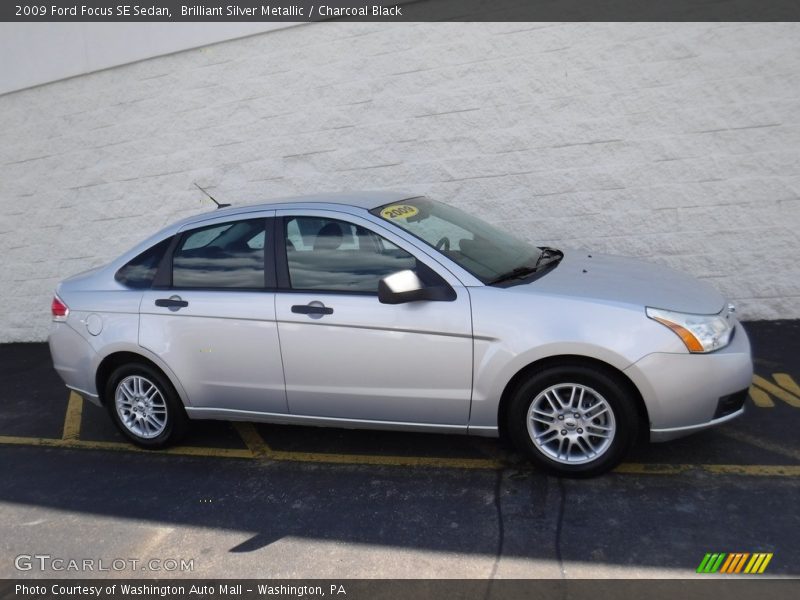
<point x="390" y="311"/>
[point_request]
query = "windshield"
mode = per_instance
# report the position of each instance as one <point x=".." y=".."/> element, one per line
<point x="485" y="251"/>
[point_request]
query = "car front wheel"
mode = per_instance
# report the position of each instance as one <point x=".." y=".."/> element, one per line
<point x="144" y="406"/>
<point x="573" y="420"/>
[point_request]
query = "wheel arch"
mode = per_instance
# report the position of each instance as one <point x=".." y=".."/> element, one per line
<point x="570" y="359"/>
<point x="122" y="357"/>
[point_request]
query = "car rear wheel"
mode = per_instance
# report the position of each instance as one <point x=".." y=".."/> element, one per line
<point x="144" y="406"/>
<point x="573" y="420"/>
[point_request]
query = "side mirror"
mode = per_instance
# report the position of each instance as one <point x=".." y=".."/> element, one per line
<point x="405" y="286"/>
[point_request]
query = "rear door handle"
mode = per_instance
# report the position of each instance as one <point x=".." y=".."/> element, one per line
<point x="174" y="302"/>
<point x="311" y="309"/>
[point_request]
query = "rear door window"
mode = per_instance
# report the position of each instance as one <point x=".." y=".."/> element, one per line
<point x="225" y="255"/>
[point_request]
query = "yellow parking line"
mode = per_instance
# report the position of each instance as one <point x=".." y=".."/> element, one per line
<point x="392" y="461"/>
<point x="123" y="447"/>
<point x="776" y="391"/>
<point x="757" y="470"/>
<point x="651" y="469"/>
<point x="761" y="398"/>
<point x="260" y="448"/>
<point x="786" y="382"/>
<point x="252" y="439"/>
<point x="761" y="443"/>
<point x="677" y="469"/>
<point x="399" y="461"/>
<point x="72" y="420"/>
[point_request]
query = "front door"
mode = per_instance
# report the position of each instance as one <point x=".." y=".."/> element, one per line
<point x="346" y="355"/>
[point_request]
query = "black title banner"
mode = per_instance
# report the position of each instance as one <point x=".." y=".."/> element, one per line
<point x="385" y="589"/>
<point x="408" y="10"/>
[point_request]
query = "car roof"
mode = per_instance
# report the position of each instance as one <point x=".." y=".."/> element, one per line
<point x="360" y="199"/>
<point x="365" y="200"/>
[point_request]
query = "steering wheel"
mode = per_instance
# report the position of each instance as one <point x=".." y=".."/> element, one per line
<point x="443" y="244"/>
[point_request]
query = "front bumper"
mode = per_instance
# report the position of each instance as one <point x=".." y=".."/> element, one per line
<point x="685" y="393"/>
<point x="665" y="435"/>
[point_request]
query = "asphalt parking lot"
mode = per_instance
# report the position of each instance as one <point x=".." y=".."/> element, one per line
<point x="242" y="500"/>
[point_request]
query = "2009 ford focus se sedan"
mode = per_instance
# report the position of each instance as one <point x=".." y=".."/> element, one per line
<point x="389" y="311"/>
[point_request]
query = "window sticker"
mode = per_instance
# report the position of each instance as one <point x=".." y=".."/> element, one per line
<point x="399" y="211"/>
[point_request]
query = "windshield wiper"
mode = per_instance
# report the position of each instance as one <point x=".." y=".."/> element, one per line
<point x="514" y="274"/>
<point x="519" y="272"/>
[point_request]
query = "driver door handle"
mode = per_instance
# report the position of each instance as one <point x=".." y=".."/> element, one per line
<point x="311" y="309"/>
<point x="172" y="303"/>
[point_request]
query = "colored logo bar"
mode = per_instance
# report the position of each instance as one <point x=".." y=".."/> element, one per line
<point x="735" y="563"/>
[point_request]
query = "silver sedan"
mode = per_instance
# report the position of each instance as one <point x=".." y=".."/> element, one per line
<point x="390" y="311"/>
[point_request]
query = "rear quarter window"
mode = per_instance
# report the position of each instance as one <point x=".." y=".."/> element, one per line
<point x="139" y="272"/>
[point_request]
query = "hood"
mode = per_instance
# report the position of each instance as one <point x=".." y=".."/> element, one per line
<point x="585" y="274"/>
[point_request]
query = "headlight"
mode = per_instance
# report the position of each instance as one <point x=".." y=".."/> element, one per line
<point x="700" y="333"/>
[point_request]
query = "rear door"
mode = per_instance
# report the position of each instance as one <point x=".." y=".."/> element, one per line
<point x="348" y="356"/>
<point x="211" y="316"/>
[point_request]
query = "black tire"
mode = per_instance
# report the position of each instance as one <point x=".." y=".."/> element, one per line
<point x="176" y="423"/>
<point x="617" y="397"/>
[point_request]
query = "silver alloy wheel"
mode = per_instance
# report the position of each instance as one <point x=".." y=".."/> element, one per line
<point x="141" y="406"/>
<point x="571" y="423"/>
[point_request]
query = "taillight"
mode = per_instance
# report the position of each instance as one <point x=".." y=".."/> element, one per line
<point x="59" y="309"/>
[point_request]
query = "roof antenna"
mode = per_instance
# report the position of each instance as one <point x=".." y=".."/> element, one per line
<point x="212" y="197"/>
